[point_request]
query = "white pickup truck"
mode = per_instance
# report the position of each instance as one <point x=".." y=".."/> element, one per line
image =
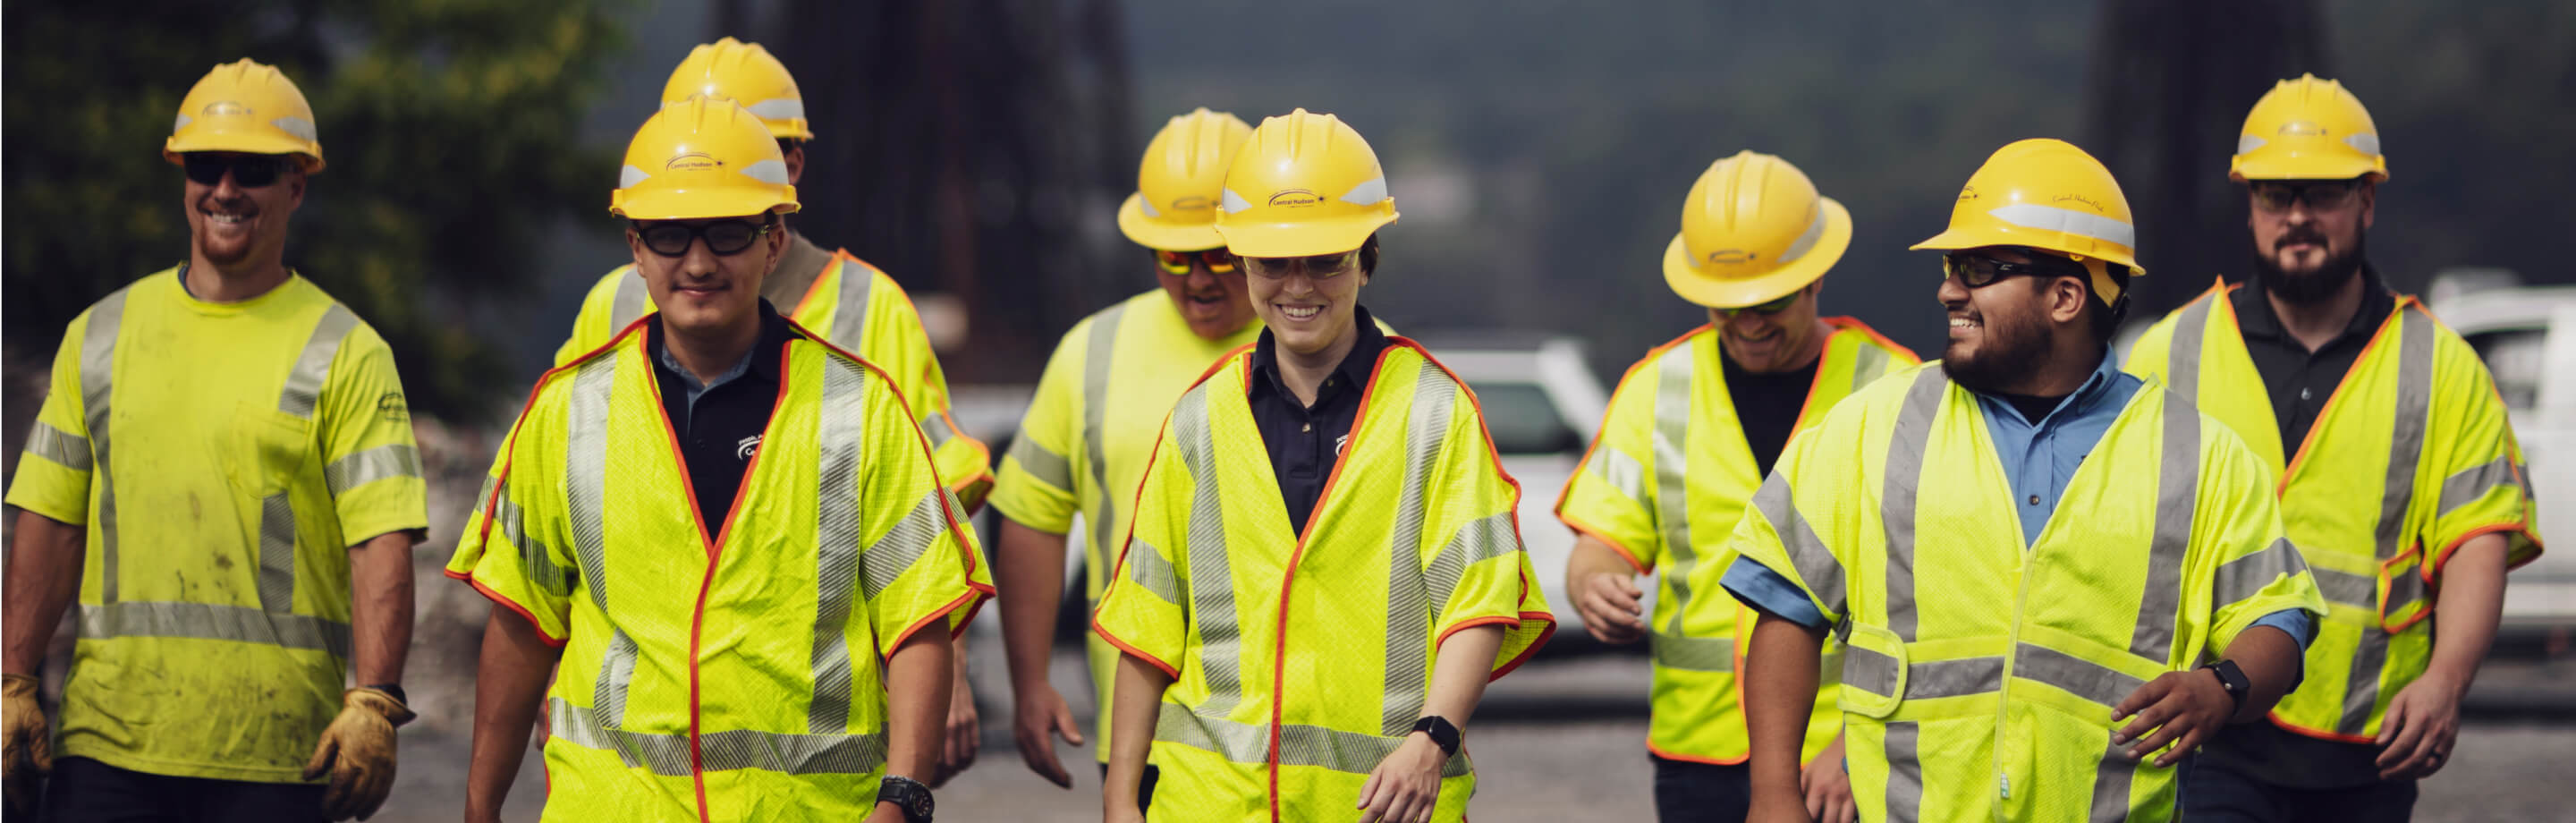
<point x="2527" y="336"/>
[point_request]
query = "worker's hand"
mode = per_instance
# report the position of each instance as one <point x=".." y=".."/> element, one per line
<point x="357" y="751"/>
<point x="2423" y="721"/>
<point x="2183" y="709"/>
<point x="1040" y="712"/>
<point x="1828" y="787"/>
<point x="1608" y="602"/>
<point x="1405" y="787"/>
<point x="30" y="745"/>
<point x="964" y="735"/>
<point x="545" y="726"/>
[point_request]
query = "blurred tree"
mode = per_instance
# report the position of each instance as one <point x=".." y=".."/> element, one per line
<point x="450" y="127"/>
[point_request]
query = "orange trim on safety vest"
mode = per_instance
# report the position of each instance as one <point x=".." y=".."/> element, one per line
<point x="1594" y="532"/>
<point x="1567" y="493"/>
<point x="2387" y="328"/>
<point x="502" y="600"/>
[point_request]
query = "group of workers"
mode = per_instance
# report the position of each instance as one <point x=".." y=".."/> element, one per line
<point x="727" y="542"/>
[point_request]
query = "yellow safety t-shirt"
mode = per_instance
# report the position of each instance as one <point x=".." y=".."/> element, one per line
<point x="1979" y="676"/>
<point x="1302" y="660"/>
<point x="2411" y="457"/>
<point x="738" y="679"/>
<point x="854" y="306"/>
<point x="1657" y="513"/>
<point x="222" y="457"/>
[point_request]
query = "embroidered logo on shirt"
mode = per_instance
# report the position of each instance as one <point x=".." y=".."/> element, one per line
<point x="1339" y="443"/>
<point x="747" y="447"/>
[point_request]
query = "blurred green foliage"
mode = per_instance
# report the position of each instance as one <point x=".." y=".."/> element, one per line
<point x="450" y="127"/>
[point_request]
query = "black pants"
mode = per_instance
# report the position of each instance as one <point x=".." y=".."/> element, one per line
<point x="2212" y="792"/>
<point x="1144" y="786"/>
<point x="87" y="791"/>
<point x="1688" y="792"/>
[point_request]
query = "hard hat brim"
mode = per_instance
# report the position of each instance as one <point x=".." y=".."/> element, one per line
<point x="1716" y="293"/>
<point x="1304" y="238"/>
<point x="699" y="204"/>
<point x="1156" y="234"/>
<point x="245" y="142"/>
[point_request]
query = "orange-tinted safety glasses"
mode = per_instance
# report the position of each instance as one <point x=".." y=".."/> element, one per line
<point x="1178" y="262"/>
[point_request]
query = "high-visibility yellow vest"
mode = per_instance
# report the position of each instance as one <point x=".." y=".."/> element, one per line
<point x="1979" y="676"/>
<point x="733" y="679"/>
<point x="222" y="458"/>
<point x="2411" y="457"/>
<point x="856" y="307"/>
<point x="1301" y="661"/>
<point x="1656" y="511"/>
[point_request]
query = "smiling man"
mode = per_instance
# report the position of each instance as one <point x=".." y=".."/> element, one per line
<point x="2052" y="580"/>
<point x="727" y="532"/>
<point x="1689" y="435"/>
<point x="250" y="532"/>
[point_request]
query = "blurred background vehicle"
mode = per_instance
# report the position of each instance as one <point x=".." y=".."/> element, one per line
<point x="2527" y="336"/>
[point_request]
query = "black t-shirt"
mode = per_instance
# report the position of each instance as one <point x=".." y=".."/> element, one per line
<point x="721" y="430"/>
<point x="1305" y="441"/>
<point x="1767" y="406"/>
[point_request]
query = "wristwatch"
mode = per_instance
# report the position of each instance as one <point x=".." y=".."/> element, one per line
<point x="2233" y="680"/>
<point x="1443" y="733"/>
<point x="906" y="794"/>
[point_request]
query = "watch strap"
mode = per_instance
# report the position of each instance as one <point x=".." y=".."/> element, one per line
<point x="1443" y="733"/>
<point x="2232" y="680"/>
<point x="907" y="794"/>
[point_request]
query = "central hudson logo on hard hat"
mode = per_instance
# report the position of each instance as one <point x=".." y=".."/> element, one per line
<point x="225" y="108"/>
<point x="1968" y="193"/>
<point x="1195" y="202"/>
<point x="1731" y="257"/>
<point x="693" y="161"/>
<point x="2302" y="127"/>
<point x="1295" y="198"/>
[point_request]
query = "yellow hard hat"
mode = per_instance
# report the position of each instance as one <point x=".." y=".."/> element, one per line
<point x="2308" y="129"/>
<point x="1753" y="229"/>
<point x="247" y="107"/>
<point x="1303" y="184"/>
<point x="699" y="158"/>
<point x="2047" y="195"/>
<point x="1177" y="186"/>
<point x="746" y="73"/>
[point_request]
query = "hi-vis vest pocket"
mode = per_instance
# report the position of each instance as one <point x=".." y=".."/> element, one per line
<point x="270" y="448"/>
<point x="1874" y="663"/>
<point x="2402" y="600"/>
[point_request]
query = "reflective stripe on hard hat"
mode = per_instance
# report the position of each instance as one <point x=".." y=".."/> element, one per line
<point x="2070" y="221"/>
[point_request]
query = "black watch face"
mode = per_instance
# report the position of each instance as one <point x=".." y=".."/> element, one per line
<point x="920" y="806"/>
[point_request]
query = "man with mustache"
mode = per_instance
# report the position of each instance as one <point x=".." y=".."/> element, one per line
<point x="245" y="546"/>
<point x="1688" y="436"/>
<point x="2052" y="580"/>
<point x="2403" y="485"/>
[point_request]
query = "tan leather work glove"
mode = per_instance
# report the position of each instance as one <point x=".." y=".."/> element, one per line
<point x="30" y="746"/>
<point x="358" y="752"/>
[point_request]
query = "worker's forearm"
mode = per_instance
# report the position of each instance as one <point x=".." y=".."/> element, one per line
<point x="380" y="603"/>
<point x="1028" y="570"/>
<point x="917" y="694"/>
<point x="2269" y="657"/>
<point x="1593" y="556"/>
<point x="508" y="684"/>
<point x="1136" y="701"/>
<point x="1459" y="672"/>
<point x="1779" y="681"/>
<point x="2472" y="598"/>
<point x="44" y="575"/>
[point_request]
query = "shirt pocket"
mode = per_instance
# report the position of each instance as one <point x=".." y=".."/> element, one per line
<point x="270" y="449"/>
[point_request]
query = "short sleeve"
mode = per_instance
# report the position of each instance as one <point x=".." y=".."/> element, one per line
<point x="918" y="563"/>
<point x="1142" y="612"/>
<point x="371" y="464"/>
<point x="517" y="545"/>
<point x="1477" y="571"/>
<point x="1610" y="495"/>
<point x="54" y="470"/>
<point x="1784" y="529"/>
<point x="1035" y="486"/>
<point x="2485" y="479"/>
<point x="2239" y="555"/>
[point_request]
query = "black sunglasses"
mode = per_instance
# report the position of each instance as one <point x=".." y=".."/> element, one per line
<point x="250" y="171"/>
<point x="1978" y="271"/>
<point x="1770" y="308"/>
<point x="724" y="237"/>
<point x="2320" y="196"/>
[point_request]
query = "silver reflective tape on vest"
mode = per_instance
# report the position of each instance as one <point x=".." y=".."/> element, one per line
<point x="935" y="427"/>
<point x="1410" y="600"/>
<point x="1869" y="670"/>
<point x="1146" y="566"/>
<point x="64" y="448"/>
<point x="844" y="754"/>
<point x="536" y="559"/>
<point x="836" y="536"/>
<point x="1047" y="467"/>
<point x="1904" y="473"/>
<point x="2404" y="589"/>
<point x="1904" y="770"/>
<point x="1816" y="565"/>
<point x="1869" y="364"/>
<point x="2360" y="591"/>
<point x="850" y="318"/>
<point x="1236" y="742"/>
<point x="1693" y="654"/>
<point x="1624" y="474"/>
<point x="2406" y="446"/>
<point x="2111" y="778"/>
<point x="608" y="693"/>
<point x="1211" y="588"/>
<point x="663" y="754"/>
<point x="1484" y="538"/>
<point x="313" y="367"/>
<point x="1673" y="372"/>
<point x="2468" y="486"/>
<point x="2361" y="691"/>
<point x="1096" y="361"/>
<point x="98" y="386"/>
<point x="904" y="544"/>
<point x="1299" y="745"/>
<point x="1933" y="679"/>
<point x="2080" y="677"/>
<point x="2245" y="577"/>
<point x="2182" y="357"/>
<point x="2177" y="490"/>
<point x="628" y="303"/>
<point x="277" y="554"/>
<point x="207" y="621"/>
<point x="380" y="463"/>
<point x="586" y="472"/>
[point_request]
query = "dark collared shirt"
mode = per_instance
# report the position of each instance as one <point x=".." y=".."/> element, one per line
<point x="2298" y="380"/>
<point x="719" y="423"/>
<point x="1305" y="441"/>
<point x="1767" y="406"/>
